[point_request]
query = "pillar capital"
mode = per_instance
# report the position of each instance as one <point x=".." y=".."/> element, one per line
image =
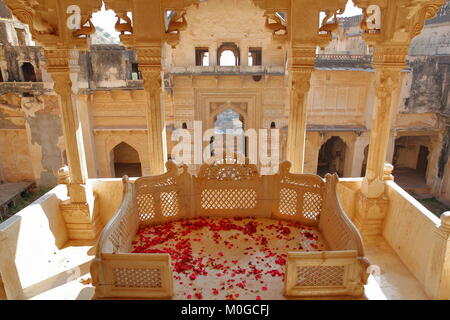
<point x="387" y="81"/>
<point x="57" y="59"/>
<point x="390" y="55"/>
<point x="301" y="81"/>
<point x="302" y="58"/>
<point x="149" y="56"/>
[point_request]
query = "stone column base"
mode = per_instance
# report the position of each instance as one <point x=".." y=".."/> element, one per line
<point x="370" y="216"/>
<point x="82" y="219"/>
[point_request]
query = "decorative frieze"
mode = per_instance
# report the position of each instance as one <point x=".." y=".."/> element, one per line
<point x="390" y="55"/>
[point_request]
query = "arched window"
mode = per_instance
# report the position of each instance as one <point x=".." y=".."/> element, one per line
<point x="125" y="161"/>
<point x="28" y="72"/>
<point x="228" y="54"/>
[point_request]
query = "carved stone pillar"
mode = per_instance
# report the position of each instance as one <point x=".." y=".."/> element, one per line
<point x="79" y="211"/>
<point x="301" y="65"/>
<point x="150" y="66"/>
<point x="58" y="67"/>
<point x="388" y="63"/>
<point x="387" y="81"/>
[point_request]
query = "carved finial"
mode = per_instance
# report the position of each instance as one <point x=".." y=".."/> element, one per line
<point x="171" y="165"/>
<point x="285" y="166"/>
<point x="445" y="221"/>
<point x="388" y="168"/>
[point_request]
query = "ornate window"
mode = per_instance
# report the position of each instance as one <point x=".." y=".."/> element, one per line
<point x="228" y="54"/>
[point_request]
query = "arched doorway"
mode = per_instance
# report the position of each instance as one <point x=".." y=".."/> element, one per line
<point x="28" y="72"/>
<point x="410" y="162"/>
<point x="125" y="161"/>
<point x="229" y="124"/>
<point x="332" y="157"/>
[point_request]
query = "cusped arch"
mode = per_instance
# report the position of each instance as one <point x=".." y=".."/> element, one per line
<point x="124" y="159"/>
<point x="242" y="115"/>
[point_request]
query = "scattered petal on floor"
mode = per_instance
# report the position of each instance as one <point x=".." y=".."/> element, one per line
<point x="228" y="258"/>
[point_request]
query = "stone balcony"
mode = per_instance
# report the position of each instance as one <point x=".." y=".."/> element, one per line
<point x="409" y="258"/>
<point x="228" y="70"/>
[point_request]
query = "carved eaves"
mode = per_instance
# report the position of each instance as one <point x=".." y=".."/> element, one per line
<point x="401" y="21"/>
<point x="47" y="21"/>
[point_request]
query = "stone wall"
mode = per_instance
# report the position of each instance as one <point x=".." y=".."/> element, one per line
<point x="106" y="66"/>
<point x="429" y="85"/>
<point x="31" y="138"/>
<point x="214" y="22"/>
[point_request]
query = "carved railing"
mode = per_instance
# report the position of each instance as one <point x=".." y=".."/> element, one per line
<point x="298" y="197"/>
<point x="118" y="273"/>
<point x="165" y="197"/>
<point x="343" y="61"/>
<point x="342" y="270"/>
<point x="229" y="187"/>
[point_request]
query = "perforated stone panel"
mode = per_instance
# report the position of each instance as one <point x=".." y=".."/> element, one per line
<point x="137" y="278"/>
<point x="228" y="199"/>
<point x="319" y="276"/>
<point x="312" y="205"/>
<point x="288" y="201"/>
<point x="145" y="206"/>
<point x="229" y="173"/>
<point x="169" y="203"/>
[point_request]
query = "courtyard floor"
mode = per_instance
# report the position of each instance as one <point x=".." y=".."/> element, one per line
<point x="231" y="267"/>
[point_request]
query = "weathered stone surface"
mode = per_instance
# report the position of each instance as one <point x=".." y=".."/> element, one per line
<point x="429" y="87"/>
